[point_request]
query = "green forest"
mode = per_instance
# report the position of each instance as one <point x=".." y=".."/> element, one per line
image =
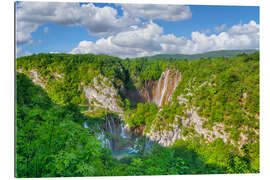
<point x="51" y="140"/>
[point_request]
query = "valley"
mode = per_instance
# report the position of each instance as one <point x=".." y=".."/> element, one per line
<point x="99" y="115"/>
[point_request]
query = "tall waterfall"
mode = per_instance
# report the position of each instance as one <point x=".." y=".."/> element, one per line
<point x="166" y="85"/>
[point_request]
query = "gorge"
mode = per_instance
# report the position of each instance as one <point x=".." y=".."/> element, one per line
<point x="125" y="113"/>
<point x="122" y="139"/>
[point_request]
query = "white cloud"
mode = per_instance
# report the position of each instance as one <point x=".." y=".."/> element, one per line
<point x="220" y="28"/>
<point x="251" y="28"/>
<point x="149" y="39"/>
<point x="54" y="52"/>
<point x="131" y="43"/>
<point x="23" y="32"/>
<point x="99" y="21"/>
<point x="27" y="53"/>
<point x="146" y="37"/>
<point x="18" y="51"/>
<point x="154" y="11"/>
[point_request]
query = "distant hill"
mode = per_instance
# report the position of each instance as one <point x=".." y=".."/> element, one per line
<point x="211" y="54"/>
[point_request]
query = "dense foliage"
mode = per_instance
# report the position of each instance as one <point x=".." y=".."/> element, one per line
<point x="211" y="54"/>
<point x="63" y="74"/>
<point x="51" y="140"/>
<point x="224" y="90"/>
<point x="143" y="114"/>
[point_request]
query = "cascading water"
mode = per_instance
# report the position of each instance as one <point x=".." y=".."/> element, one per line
<point x="85" y="125"/>
<point x="164" y="88"/>
<point x="104" y="140"/>
<point x="156" y="97"/>
<point x="166" y="85"/>
<point x="116" y="136"/>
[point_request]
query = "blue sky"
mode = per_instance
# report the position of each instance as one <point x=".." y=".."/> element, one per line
<point x="133" y="31"/>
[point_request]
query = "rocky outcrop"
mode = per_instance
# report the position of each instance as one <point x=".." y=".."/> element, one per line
<point x="103" y="94"/>
<point x="194" y="120"/>
<point x="160" y="92"/>
<point x="155" y="91"/>
<point x="149" y="90"/>
<point x="172" y="132"/>
<point x="167" y="136"/>
<point x="36" y="79"/>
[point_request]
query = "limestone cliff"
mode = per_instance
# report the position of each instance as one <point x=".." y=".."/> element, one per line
<point x="159" y="92"/>
<point x="103" y="94"/>
<point x="166" y="136"/>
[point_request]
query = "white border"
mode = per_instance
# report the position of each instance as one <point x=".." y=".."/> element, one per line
<point x="7" y="87"/>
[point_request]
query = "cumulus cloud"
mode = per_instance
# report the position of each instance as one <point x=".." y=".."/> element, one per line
<point x="18" y="51"/>
<point x="149" y="39"/>
<point x="251" y="28"/>
<point x="154" y="11"/>
<point x="23" y="32"/>
<point x="101" y="21"/>
<point x="27" y="53"/>
<point x="138" y="41"/>
<point x="54" y="52"/>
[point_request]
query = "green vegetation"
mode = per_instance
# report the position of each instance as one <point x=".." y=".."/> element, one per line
<point x="52" y="142"/>
<point x="211" y="54"/>
<point x="144" y="114"/>
<point x="223" y="90"/>
<point x="219" y="154"/>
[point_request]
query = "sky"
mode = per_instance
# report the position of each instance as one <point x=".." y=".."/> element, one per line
<point x="133" y="30"/>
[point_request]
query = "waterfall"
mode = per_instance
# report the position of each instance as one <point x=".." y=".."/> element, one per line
<point x="109" y="124"/>
<point x="124" y="133"/>
<point x="164" y="87"/>
<point x="85" y="125"/>
<point x="157" y="90"/>
<point x="115" y="135"/>
<point x="104" y="140"/>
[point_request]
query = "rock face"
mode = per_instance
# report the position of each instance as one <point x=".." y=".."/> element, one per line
<point x="167" y="136"/>
<point x="195" y="120"/>
<point x="159" y="92"/>
<point x="36" y="79"/>
<point x="103" y="94"/>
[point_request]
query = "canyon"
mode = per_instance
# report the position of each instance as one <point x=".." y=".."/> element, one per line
<point x="118" y="136"/>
